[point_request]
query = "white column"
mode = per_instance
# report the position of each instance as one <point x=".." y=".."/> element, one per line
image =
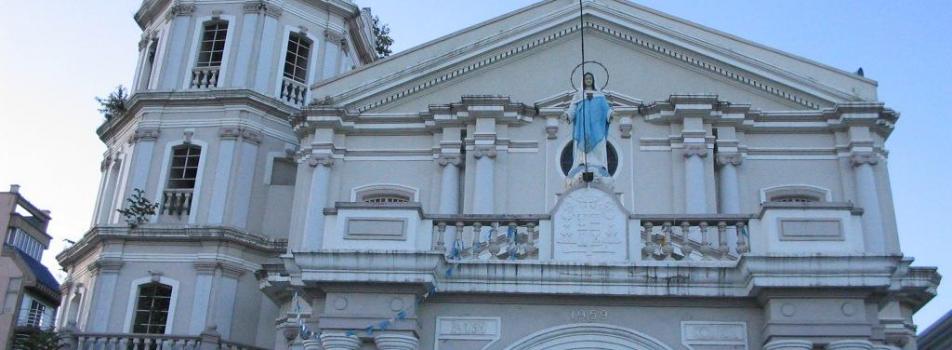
<point x="449" y="186"/>
<point x="109" y="190"/>
<point x="144" y="139"/>
<point x="868" y="197"/>
<point x="244" y="178"/>
<point x="484" y="180"/>
<point x="391" y="341"/>
<point x="226" y="297"/>
<point x="317" y="199"/>
<point x="176" y="47"/>
<point x="729" y="191"/>
<point x="789" y="344"/>
<point x="265" y="65"/>
<point x="246" y="43"/>
<point x="695" y="198"/>
<point x="204" y="274"/>
<point x="226" y="155"/>
<point x="339" y="341"/>
<point x="107" y="274"/>
<point x="101" y="194"/>
<point x="850" y="344"/>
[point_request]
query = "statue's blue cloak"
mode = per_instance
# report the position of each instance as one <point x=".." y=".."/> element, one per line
<point x="591" y="122"/>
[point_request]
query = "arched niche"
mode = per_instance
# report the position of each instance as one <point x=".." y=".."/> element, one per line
<point x="588" y="336"/>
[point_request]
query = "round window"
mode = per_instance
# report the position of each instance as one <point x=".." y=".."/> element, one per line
<point x="567" y="158"/>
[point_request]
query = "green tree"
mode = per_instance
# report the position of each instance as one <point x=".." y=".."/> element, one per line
<point x="113" y="105"/>
<point x="36" y="339"/>
<point x="139" y="209"/>
<point x="382" y="33"/>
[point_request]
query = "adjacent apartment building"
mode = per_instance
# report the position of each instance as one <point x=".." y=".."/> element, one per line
<point x="312" y="195"/>
<point x="30" y="293"/>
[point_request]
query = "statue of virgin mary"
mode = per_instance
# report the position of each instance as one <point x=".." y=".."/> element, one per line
<point x="590" y="115"/>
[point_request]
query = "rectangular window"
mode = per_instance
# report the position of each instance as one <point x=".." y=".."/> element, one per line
<point x="283" y="172"/>
<point x="213" y="44"/>
<point x="295" y="63"/>
<point x="34" y="317"/>
<point x="184" y="167"/>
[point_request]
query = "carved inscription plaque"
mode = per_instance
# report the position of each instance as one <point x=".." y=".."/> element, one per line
<point x="703" y="335"/>
<point x="590" y="227"/>
<point x="466" y="333"/>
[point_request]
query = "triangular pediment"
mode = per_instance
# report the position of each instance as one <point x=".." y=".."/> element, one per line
<point x="531" y="53"/>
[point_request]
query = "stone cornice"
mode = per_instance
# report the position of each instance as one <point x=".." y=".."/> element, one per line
<point x="206" y="98"/>
<point x="746" y="278"/>
<point x="101" y="234"/>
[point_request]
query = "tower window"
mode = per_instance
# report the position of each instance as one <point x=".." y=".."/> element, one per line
<point x="152" y="308"/>
<point x="184" y="167"/>
<point x="213" y="44"/>
<point x="295" y="63"/>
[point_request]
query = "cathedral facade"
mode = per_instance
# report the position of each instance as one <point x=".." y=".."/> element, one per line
<point x="680" y="188"/>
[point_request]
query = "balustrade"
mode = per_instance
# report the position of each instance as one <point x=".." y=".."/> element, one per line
<point x="706" y="238"/>
<point x="204" y="77"/>
<point x="293" y="92"/>
<point x="487" y="237"/>
<point x="133" y="341"/>
<point x="176" y="202"/>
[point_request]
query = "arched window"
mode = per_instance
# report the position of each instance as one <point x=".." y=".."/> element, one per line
<point x="183" y="171"/>
<point x="152" y="308"/>
<point x="295" y="62"/>
<point x="184" y="167"/>
<point x="212" y="47"/>
<point x="795" y="194"/>
<point x="384" y="193"/>
<point x="567" y="158"/>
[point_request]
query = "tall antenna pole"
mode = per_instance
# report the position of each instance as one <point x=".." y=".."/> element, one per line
<point x="581" y="22"/>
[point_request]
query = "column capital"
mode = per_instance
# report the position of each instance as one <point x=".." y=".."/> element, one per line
<point x="449" y="159"/>
<point x="484" y="150"/>
<point x="110" y="265"/>
<point x="734" y="159"/>
<point x="181" y="10"/>
<point x="789" y="344"/>
<point x="262" y="7"/>
<point x="861" y="158"/>
<point x="392" y="341"/>
<point x="105" y="163"/>
<point x="323" y="159"/>
<point x="339" y="341"/>
<point x="850" y="344"/>
<point x="145" y="134"/>
<point x="691" y="150"/>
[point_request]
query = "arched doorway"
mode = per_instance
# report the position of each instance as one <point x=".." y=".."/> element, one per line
<point x="587" y="337"/>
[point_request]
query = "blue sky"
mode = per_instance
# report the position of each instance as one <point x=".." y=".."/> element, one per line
<point x="56" y="55"/>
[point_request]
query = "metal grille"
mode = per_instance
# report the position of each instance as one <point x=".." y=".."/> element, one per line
<point x="213" y="44"/>
<point x="386" y="198"/>
<point x="152" y="308"/>
<point x="795" y="199"/>
<point x="295" y="64"/>
<point x="184" y="166"/>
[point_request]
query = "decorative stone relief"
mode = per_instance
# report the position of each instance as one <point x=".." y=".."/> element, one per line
<point x="462" y="333"/>
<point x="861" y="158"/>
<point x="488" y="151"/>
<point x="449" y="159"/>
<point x="734" y="159"/>
<point x="590" y="226"/>
<point x="704" y="335"/>
<point x="320" y="159"/>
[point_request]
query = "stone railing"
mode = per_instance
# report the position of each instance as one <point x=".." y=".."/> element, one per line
<point x="487" y="237"/>
<point x="176" y="202"/>
<point x="293" y="92"/>
<point x="204" y="78"/>
<point x="714" y="237"/>
<point x="133" y="341"/>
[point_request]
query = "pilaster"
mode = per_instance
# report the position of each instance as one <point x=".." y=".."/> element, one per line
<point x="244" y="180"/>
<point x="396" y="341"/>
<point x="850" y="344"/>
<point x="180" y="16"/>
<point x="226" y="154"/>
<point x="106" y="272"/>
<point x="789" y="344"/>
<point x="339" y="341"/>
<point x="312" y="237"/>
<point x="144" y="141"/>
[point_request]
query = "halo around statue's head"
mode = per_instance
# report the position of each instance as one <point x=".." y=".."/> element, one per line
<point x="576" y="78"/>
